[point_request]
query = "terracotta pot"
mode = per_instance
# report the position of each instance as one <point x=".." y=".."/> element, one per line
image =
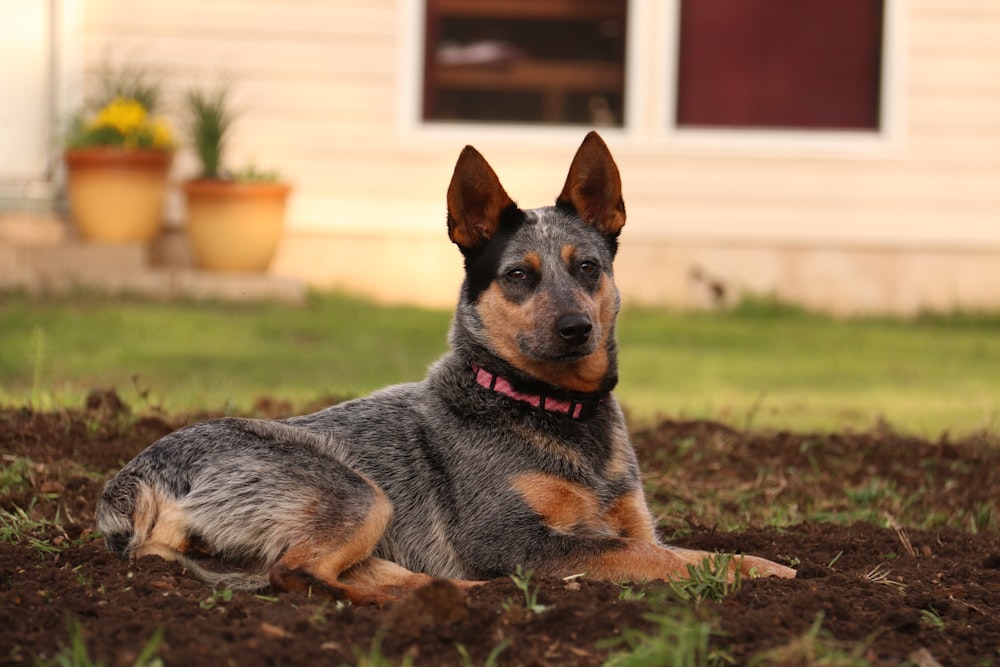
<point x="116" y="195"/>
<point x="235" y="225"/>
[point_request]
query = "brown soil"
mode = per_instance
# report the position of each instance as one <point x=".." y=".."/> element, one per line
<point x="893" y="596"/>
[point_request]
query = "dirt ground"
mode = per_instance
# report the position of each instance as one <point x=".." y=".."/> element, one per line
<point x="926" y="592"/>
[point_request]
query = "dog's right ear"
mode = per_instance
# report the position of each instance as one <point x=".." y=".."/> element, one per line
<point x="476" y="201"/>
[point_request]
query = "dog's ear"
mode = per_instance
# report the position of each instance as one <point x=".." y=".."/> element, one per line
<point x="476" y="201"/>
<point x="594" y="187"/>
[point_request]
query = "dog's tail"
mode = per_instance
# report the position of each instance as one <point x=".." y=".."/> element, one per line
<point x="126" y="514"/>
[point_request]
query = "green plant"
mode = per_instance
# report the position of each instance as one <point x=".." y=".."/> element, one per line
<point x="932" y="618"/>
<point x="209" y="122"/>
<point x="16" y="526"/>
<point x="252" y="174"/>
<point x="814" y="648"/>
<point x="491" y="659"/>
<point x="77" y="654"/>
<point x="374" y="656"/>
<point x="680" y="639"/>
<point x="123" y="113"/>
<point x="522" y="579"/>
<point x="708" y="580"/>
<point x="217" y="597"/>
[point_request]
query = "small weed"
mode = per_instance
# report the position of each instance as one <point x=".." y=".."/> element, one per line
<point x="374" y="656"/>
<point x="77" y="655"/>
<point x="522" y="579"/>
<point x="216" y="598"/>
<point x="491" y="659"/>
<point x="708" y="580"/>
<point x="932" y="618"/>
<point x="628" y="593"/>
<point x="15" y="475"/>
<point x="833" y="562"/>
<point x="17" y="527"/>
<point x="815" y="647"/>
<point x="680" y="638"/>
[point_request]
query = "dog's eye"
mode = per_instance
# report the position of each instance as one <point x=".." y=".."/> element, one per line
<point x="587" y="267"/>
<point x="517" y="275"/>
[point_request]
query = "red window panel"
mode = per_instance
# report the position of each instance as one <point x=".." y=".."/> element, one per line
<point x="780" y="64"/>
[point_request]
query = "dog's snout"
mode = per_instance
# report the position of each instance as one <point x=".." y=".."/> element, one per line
<point x="574" y="328"/>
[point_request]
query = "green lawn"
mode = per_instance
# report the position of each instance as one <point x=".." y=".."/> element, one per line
<point x="760" y="365"/>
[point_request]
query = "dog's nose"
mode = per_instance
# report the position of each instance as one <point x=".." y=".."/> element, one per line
<point x="574" y="328"/>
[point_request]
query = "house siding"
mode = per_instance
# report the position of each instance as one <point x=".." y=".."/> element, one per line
<point x="901" y="222"/>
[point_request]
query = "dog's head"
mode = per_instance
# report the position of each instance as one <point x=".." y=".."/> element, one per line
<point x="539" y="290"/>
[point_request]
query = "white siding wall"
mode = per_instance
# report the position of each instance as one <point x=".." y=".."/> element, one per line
<point x="889" y="222"/>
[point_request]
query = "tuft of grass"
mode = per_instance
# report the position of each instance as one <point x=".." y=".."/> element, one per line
<point x="707" y="580"/>
<point x="680" y="639"/>
<point x="77" y="653"/>
<point x="17" y="527"/>
<point x="374" y="656"/>
<point x="816" y="649"/>
<point x="491" y="660"/>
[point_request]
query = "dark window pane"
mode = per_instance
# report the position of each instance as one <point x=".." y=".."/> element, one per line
<point x="525" y="61"/>
<point x="780" y="63"/>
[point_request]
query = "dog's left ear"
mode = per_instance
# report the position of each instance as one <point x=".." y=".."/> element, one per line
<point x="476" y="201"/>
<point x="594" y="187"/>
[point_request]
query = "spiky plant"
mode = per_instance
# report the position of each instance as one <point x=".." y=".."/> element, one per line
<point x="210" y="119"/>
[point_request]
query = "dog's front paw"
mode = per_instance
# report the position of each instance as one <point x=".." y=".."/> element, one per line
<point x="753" y="567"/>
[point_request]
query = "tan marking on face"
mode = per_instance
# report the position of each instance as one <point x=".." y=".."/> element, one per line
<point x="534" y="261"/>
<point x="567" y="253"/>
<point x="561" y="504"/>
<point x="504" y="320"/>
<point x="629" y="517"/>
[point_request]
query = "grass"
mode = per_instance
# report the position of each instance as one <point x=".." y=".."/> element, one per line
<point x="760" y="365"/>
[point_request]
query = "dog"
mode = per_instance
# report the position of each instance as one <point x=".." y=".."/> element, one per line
<point x="511" y="452"/>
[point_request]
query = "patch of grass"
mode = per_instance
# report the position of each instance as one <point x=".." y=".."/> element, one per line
<point x="760" y="365"/>
<point x="77" y="654"/>
<point x="18" y="527"/>
<point x="777" y="367"/>
<point x="815" y="648"/>
<point x="680" y="639"/>
<point x="15" y="474"/>
<point x="491" y="660"/>
<point x="707" y="580"/>
<point x="374" y="657"/>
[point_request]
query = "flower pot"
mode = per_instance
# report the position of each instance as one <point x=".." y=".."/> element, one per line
<point x="235" y="225"/>
<point x="116" y="195"/>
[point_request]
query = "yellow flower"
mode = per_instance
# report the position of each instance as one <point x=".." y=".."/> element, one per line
<point x="161" y="136"/>
<point x="125" y="122"/>
<point x="126" y="116"/>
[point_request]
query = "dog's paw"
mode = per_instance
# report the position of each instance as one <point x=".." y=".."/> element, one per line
<point x="753" y="567"/>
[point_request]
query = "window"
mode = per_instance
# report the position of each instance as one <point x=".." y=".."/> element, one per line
<point x="525" y="61"/>
<point x="813" y="64"/>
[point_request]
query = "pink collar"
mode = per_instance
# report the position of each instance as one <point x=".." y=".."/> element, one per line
<point x="501" y="385"/>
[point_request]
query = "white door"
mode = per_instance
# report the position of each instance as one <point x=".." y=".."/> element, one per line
<point x="25" y="91"/>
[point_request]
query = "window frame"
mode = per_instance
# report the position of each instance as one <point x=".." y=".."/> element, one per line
<point x="651" y="60"/>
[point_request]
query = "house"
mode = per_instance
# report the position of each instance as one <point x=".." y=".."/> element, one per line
<point x="840" y="155"/>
